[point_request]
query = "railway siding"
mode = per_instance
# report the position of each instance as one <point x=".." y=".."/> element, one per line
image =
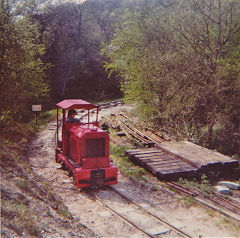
<point x="169" y="159"/>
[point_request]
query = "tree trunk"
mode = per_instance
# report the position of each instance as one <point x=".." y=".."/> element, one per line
<point x="210" y="135"/>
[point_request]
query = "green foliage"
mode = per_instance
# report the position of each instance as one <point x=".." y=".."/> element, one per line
<point x="204" y="179"/>
<point x="66" y="214"/>
<point x="72" y="33"/>
<point x="44" y="118"/>
<point x="180" y="63"/>
<point x="22" y="71"/>
<point x="189" y="200"/>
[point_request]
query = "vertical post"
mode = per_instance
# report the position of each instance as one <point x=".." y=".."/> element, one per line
<point x="57" y="129"/>
<point x="64" y="133"/>
<point x="36" y="115"/>
<point x="36" y="109"/>
<point x="64" y="115"/>
<point x="97" y="116"/>
<point x="88" y="117"/>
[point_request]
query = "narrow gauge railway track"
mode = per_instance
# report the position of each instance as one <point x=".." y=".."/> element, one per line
<point x="110" y="104"/>
<point x="146" y="132"/>
<point x="147" y="138"/>
<point x="228" y="207"/>
<point x="136" y="215"/>
<point x="105" y="105"/>
<point x="135" y="133"/>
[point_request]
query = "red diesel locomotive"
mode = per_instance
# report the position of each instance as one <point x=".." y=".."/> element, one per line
<point x="83" y="148"/>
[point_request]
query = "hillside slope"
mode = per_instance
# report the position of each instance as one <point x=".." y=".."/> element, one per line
<point x="28" y="206"/>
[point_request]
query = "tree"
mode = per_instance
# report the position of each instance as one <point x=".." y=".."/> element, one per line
<point x="180" y="63"/>
<point x="73" y="34"/>
<point x="208" y="29"/>
<point x="140" y="42"/>
<point x="22" y="71"/>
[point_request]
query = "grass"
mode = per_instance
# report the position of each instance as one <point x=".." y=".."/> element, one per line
<point x="188" y="200"/>
<point x="22" y="184"/>
<point x="66" y="214"/>
<point x="203" y="184"/>
<point x="210" y="213"/>
<point x="125" y="165"/>
<point x="43" y="119"/>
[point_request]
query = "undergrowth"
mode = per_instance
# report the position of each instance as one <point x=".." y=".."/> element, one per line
<point x="26" y="199"/>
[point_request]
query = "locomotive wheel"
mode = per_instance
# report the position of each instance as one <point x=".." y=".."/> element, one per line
<point x="56" y="154"/>
<point x="74" y="180"/>
<point x="63" y="164"/>
<point x="70" y="173"/>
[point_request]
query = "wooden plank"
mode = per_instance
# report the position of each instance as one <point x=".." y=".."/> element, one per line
<point x="166" y="163"/>
<point x="132" y="151"/>
<point x="157" y="161"/>
<point x="169" y="166"/>
<point x="173" y="170"/>
<point x="168" y="158"/>
<point x="172" y="167"/>
<point x="175" y="175"/>
<point x="216" y="156"/>
<point x="142" y="152"/>
<point x="191" y="156"/>
<point x="154" y="160"/>
<point x="161" y="164"/>
<point x="149" y="155"/>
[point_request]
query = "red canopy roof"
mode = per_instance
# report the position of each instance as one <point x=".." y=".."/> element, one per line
<point x="75" y="104"/>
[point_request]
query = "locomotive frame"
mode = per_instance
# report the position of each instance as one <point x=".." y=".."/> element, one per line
<point x="83" y="148"/>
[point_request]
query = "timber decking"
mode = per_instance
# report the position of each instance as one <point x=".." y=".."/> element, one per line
<point x="200" y="157"/>
<point x="170" y="160"/>
<point x="161" y="164"/>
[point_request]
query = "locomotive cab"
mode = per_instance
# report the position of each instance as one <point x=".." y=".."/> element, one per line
<point x="82" y="147"/>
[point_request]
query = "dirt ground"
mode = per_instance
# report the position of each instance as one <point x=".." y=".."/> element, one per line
<point x="196" y="220"/>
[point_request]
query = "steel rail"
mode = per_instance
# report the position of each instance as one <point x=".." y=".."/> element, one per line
<point x="198" y="195"/>
<point x="220" y="200"/>
<point x="232" y="206"/>
<point x="216" y="198"/>
<point x="140" y="133"/>
<point x="153" y="136"/>
<point x="131" y="131"/>
<point x="178" y="231"/>
<point x="235" y="204"/>
<point x="181" y="189"/>
<point x="122" y="217"/>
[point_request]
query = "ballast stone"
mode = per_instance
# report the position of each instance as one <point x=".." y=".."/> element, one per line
<point x="231" y="185"/>
<point x="223" y="190"/>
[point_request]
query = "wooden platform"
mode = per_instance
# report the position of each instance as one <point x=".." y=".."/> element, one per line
<point x="161" y="164"/>
<point x="199" y="157"/>
<point x="170" y="160"/>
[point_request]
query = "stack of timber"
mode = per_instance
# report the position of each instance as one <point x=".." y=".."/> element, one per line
<point x="201" y="158"/>
<point x="161" y="164"/>
<point x="172" y="160"/>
